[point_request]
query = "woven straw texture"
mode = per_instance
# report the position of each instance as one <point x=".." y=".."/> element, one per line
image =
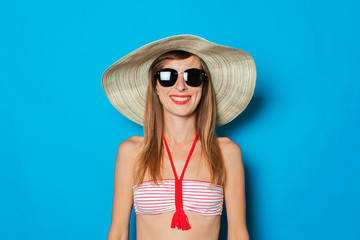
<point x="232" y="71"/>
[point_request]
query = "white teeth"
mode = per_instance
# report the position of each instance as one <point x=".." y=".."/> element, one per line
<point x="180" y="98"/>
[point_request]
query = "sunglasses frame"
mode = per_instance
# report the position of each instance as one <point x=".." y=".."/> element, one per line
<point x="173" y="72"/>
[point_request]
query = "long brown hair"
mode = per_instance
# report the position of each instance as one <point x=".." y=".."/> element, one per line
<point x="150" y="158"/>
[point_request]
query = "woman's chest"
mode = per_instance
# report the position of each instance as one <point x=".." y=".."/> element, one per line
<point x="196" y="168"/>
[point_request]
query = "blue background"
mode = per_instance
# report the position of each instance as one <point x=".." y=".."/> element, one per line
<point x="59" y="134"/>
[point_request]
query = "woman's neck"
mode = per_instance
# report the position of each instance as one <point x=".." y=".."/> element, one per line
<point x="179" y="129"/>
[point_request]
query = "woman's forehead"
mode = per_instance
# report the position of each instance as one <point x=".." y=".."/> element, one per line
<point x="190" y="62"/>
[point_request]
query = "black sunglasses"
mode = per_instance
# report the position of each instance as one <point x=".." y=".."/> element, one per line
<point x="193" y="77"/>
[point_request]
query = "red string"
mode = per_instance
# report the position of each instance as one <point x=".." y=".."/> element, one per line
<point x="180" y="220"/>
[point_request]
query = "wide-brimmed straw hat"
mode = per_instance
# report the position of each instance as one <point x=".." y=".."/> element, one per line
<point x="232" y="71"/>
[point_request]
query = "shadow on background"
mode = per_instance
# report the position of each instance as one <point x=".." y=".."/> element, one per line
<point x="247" y="115"/>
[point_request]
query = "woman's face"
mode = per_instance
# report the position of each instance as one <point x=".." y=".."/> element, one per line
<point x="180" y="99"/>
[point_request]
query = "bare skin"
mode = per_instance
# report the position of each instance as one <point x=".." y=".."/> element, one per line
<point x="179" y="131"/>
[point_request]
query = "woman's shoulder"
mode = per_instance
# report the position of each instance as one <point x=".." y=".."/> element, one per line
<point x="133" y="142"/>
<point x="230" y="150"/>
<point x="227" y="144"/>
<point x="130" y="147"/>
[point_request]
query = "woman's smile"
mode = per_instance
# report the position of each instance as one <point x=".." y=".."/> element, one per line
<point x="180" y="99"/>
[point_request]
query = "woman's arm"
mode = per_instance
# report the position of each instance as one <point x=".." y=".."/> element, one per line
<point x="234" y="191"/>
<point x="123" y="198"/>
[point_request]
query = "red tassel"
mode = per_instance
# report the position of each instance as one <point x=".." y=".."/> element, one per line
<point x="175" y="219"/>
<point x="180" y="220"/>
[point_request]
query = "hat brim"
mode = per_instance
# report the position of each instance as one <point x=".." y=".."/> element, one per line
<point x="233" y="75"/>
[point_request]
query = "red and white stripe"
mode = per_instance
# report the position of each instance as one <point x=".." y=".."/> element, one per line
<point x="200" y="197"/>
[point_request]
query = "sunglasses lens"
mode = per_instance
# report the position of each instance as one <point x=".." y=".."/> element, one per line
<point x="166" y="77"/>
<point x="194" y="77"/>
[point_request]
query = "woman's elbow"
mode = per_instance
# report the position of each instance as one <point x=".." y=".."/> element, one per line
<point x="112" y="235"/>
<point x="240" y="235"/>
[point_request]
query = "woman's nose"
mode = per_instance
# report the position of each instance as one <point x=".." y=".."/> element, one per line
<point x="180" y="83"/>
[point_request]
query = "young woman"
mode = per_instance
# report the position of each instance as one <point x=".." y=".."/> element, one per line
<point x="178" y="175"/>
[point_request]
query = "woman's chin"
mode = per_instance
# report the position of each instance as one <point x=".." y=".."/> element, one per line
<point x="180" y="113"/>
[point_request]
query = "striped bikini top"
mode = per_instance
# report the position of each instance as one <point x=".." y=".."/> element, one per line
<point x="198" y="196"/>
<point x="178" y="195"/>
